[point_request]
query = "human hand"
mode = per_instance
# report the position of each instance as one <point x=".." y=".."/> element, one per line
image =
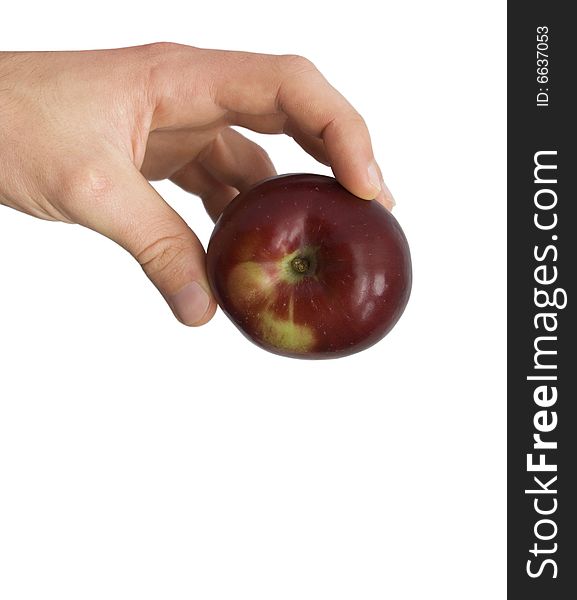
<point x="81" y="133"/>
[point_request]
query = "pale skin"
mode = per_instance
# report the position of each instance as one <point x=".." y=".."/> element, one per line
<point x="83" y="133"/>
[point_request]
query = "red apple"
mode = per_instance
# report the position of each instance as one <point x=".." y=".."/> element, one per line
<point x="306" y="269"/>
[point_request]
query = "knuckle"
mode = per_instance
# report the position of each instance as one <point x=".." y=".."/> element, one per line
<point x="358" y="119"/>
<point x="162" y="48"/>
<point x="86" y="182"/>
<point x="164" y="256"/>
<point x="261" y="155"/>
<point x="170" y="56"/>
<point x="348" y="119"/>
<point x="295" y="63"/>
<point x="158" y="62"/>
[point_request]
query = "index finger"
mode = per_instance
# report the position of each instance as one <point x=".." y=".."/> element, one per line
<point x="197" y="87"/>
<point x="265" y="91"/>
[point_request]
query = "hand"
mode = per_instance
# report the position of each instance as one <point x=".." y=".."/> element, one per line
<point x="82" y="132"/>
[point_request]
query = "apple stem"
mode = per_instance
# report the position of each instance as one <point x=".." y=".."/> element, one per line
<point x="300" y="264"/>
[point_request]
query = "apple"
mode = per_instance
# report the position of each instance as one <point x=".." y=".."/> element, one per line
<point x="306" y="269"/>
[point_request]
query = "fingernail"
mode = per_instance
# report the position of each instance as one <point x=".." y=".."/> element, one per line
<point x="389" y="198"/>
<point x="374" y="177"/>
<point x="190" y="303"/>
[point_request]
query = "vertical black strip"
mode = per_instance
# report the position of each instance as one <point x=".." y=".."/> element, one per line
<point x="542" y="269"/>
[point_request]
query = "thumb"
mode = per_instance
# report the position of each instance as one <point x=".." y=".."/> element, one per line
<point x="122" y="205"/>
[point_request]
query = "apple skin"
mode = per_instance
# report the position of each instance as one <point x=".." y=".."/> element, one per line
<point x="306" y="269"/>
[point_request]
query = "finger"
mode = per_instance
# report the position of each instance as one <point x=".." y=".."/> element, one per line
<point x="118" y="202"/>
<point x="278" y="124"/>
<point x="215" y="195"/>
<point x="262" y="85"/>
<point x="385" y="197"/>
<point x="309" y="143"/>
<point x="293" y="86"/>
<point x="316" y="148"/>
<point x="231" y="163"/>
<point x="236" y="161"/>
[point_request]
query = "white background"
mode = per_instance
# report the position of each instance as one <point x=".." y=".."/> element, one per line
<point x="142" y="459"/>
